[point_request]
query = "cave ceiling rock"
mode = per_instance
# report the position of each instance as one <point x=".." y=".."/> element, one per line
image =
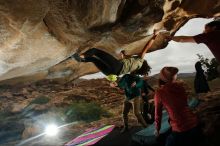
<point x="38" y="36"/>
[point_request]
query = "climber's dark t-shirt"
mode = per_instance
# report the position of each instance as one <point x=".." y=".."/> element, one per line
<point x="212" y="40"/>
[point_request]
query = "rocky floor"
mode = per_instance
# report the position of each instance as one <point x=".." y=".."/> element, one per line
<point x="21" y="120"/>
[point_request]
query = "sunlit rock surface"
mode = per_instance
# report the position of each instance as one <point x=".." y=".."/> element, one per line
<point x="36" y="36"/>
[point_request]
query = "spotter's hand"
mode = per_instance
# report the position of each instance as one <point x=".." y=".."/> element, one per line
<point x="113" y="84"/>
<point x="133" y="84"/>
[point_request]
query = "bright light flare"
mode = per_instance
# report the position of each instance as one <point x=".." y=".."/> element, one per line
<point x="51" y="130"/>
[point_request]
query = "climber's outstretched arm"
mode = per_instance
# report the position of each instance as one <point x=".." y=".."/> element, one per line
<point x="183" y="39"/>
<point x="147" y="46"/>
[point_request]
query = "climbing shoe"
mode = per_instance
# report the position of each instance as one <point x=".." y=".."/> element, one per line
<point x="77" y="57"/>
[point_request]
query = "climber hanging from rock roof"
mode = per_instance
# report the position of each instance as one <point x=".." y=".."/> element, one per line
<point x="109" y="65"/>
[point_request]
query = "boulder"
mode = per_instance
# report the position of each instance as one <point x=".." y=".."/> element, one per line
<point x="38" y="36"/>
